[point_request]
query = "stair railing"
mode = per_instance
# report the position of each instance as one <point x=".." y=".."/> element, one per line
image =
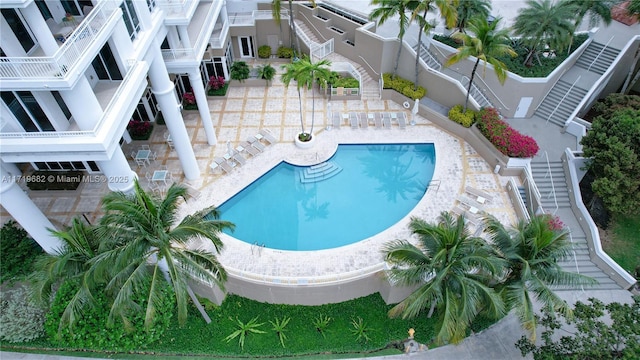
<point x="563" y="97"/>
<point x="575" y="261"/>
<point x="553" y="187"/>
<point x="551" y="88"/>
<point x="600" y="53"/>
<point x="310" y="23"/>
<point x="424" y="50"/>
<point x="491" y="91"/>
<point x="369" y="65"/>
<point x="465" y="81"/>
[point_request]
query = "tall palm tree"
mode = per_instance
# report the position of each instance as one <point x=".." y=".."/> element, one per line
<point x="634" y="7"/>
<point x="486" y="44"/>
<point x="149" y="246"/>
<point x="452" y="269"/>
<point x="70" y="263"/>
<point x="420" y="9"/>
<point x="469" y="9"/>
<point x="306" y="73"/>
<point x="598" y="10"/>
<point x="532" y="251"/>
<point x="387" y="9"/>
<point x="544" y="24"/>
<point x="276" y="7"/>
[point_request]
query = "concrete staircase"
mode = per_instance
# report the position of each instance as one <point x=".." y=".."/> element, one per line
<point x="319" y="172"/>
<point x="370" y="87"/>
<point x="597" y="58"/>
<point x="550" y="179"/>
<point x="558" y="105"/>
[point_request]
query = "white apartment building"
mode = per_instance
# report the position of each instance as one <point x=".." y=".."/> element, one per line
<point x="73" y="73"/>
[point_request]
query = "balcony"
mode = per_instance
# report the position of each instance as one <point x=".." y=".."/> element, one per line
<point x="219" y="34"/>
<point x="95" y="144"/>
<point x="28" y="73"/>
<point x="179" y="12"/>
<point x="249" y="18"/>
<point x="199" y="30"/>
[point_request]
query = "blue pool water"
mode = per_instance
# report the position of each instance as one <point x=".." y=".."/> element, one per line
<point x="377" y="186"/>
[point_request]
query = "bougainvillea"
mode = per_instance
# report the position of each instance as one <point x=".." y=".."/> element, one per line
<point x="506" y="139"/>
<point x="216" y="83"/>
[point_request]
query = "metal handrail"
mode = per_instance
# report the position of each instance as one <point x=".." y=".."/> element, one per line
<point x="551" y="88"/>
<point x="426" y="51"/>
<point x="575" y="258"/>
<point x="600" y="53"/>
<point x="563" y="97"/>
<point x="310" y="23"/>
<point x="491" y="91"/>
<point x="369" y="65"/>
<point x="553" y="187"/>
<point x="463" y="82"/>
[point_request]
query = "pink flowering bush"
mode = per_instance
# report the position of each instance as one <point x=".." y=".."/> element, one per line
<point x="189" y="101"/>
<point x="139" y="130"/>
<point x="216" y="83"/>
<point x="506" y="139"/>
<point x="554" y="223"/>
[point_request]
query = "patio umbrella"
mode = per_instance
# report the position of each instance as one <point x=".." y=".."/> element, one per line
<point x="414" y="112"/>
<point x="229" y="148"/>
<point x="328" y="116"/>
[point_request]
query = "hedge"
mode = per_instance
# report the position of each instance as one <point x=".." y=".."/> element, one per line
<point x="465" y="119"/>
<point x="506" y="139"/>
<point x="403" y="86"/>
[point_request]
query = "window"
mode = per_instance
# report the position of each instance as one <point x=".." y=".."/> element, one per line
<point x="151" y="4"/>
<point x="44" y="10"/>
<point x="74" y="7"/>
<point x="27" y="111"/>
<point x="62" y="104"/>
<point x="105" y="65"/>
<point x="130" y="18"/>
<point x="19" y="29"/>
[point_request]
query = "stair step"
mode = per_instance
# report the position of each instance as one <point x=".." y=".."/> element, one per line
<point x="319" y="172"/>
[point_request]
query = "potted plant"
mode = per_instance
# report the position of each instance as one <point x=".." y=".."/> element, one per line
<point x="240" y="71"/>
<point x="189" y="101"/>
<point x="264" y="52"/>
<point x="266" y="72"/>
<point x="305" y="73"/>
<point x="139" y="130"/>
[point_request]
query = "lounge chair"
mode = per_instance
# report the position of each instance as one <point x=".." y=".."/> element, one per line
<point x="336" y="120"/>
<point x="481" y="196"/>
<point x="257" y="144"/>
<point x="250" y="149"/>
<point x="225" y="165"/>
<point x="239" y="158"/>
<point x="378" y="120"/>
<point x="353" y="119"/>
<point x="468" y="216"/>
<point x="364" y="120"/>
<point x="473" y="205"/>
<point x="386" y="120"/>
<point x="268" y="136"/>
<point x="402" y="120"/>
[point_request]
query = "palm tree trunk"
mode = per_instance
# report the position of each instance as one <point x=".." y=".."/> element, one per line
<point x="395" y="68"/>
<point x="300" y="104"/>
<point x="431" y="310"/>
<point x="165" y="271"/>
<point x="473" y="74"/>
<point x="313" y="105"/>
<point x="418" y="51"/>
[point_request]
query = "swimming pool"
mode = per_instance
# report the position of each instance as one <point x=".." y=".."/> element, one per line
<point x="362" y="190"/>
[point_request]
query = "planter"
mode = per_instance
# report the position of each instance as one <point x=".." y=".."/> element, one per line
<point x="518" y="162"/>
<point x="304" y="144"/>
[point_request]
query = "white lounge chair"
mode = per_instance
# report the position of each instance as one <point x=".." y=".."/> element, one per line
<point x="336" y="120"/>
<point x="364" y="120"/>
<point x="353" y="120"/>
<point x="239" y="158"/>
<point x="386" y="120"/>
<point x="268" y="136"/>
<point x="481" y="196"/>
<point x="378" y="120"/>
<point x="249" y="148"/>
<point x="402" y="120"/>
<point x="255" y="142"/>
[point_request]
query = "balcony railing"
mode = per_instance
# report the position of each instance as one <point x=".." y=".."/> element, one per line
<point x="218" y="37"/>
<point x="56" y="66"/>
<point x="131" y="77"/>
<point x="247" y="19"/>
<point x="176" y="7"/>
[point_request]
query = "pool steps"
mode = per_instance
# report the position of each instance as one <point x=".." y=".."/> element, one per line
<point x="319" y="172"/>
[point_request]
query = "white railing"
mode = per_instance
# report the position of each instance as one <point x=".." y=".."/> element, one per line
<point x="600" y="53"/>
<point x="218" y="41"/>
<point x="553" y="187"/>
<point x="513" y="187"/>
<point x="114" y="104"/>
<point x="311" y="23"/>
<point x="465" y="82"/>
<point x="175" y="7"/>
<point x="193" y="53"/>
<point x="425" y="50"/>
<point x="244" y="19"/>
<point x="562" y="100"/>
<point x="310" y="280"/>
<point x="57" y="66"/>
<point x="348" y="68"/>
<point x="369" y="65"/>
<point x="322" y="50"/>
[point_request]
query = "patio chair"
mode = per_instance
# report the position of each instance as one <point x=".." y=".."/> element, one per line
<point x="268" y="136"/>
<point x="364" y="120"/>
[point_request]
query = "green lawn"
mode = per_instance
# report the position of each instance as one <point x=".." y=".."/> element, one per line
<point x="625" y="245"/>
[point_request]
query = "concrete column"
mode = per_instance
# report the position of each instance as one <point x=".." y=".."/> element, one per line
<point x="121" y="44"/>
<point x="83" y="104"/>
<point x="172" y="38"/>
<point x="40" y="29"/>
<point x="184" y="36"/>
<point x="164" y="91"/>
<point x="118" y="173"/>
<point x="203" y="106"/>
<point x="26" y="213"/>
<point x="144" y="16"/>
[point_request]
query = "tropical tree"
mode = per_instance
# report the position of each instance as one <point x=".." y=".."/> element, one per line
<point x="634" y="7"/>
<point x="544" y="24"/>
<point x="532" y="251"/>
<point x="598" y="10"/>
<point x="69" y="263"/>
<point x="453" y="271"/>
<point x="276" y="7"/>
<point x="306" y="73"/>
<point x="420" y="10"/>
<point x="469" y="9"/>
<point x="390" y="8"/>
<point x="486" y="44"/>
<point x="149" y="249"/>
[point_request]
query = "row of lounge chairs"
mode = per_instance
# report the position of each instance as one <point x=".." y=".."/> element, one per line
<point x="363" y="120"/>
<point x="253" y="146"/>
<point x="471" y="204"/>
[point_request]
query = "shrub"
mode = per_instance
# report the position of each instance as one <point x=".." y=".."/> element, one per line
<point x="92" y="332"/>
<point x="17" y="252"/>
<point x="465" y="119"/>
<point x="21" y="320"/>
<point x="506" y="139"/>
<point x="346" y="82"/>
<point x="216" y="82"/>
<point x="284" y="52"/>
<point x="403" y="86"/>
<point x="240" y="71"/>
<point x="264" y="52"/>
<point x="140" y="130"/>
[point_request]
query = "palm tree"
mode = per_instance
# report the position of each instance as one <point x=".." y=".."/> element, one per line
<point x="305" y="73"/>
<point x="276" y="6"/>
<point x="543" y="24"/>
<point x="452" y="269"/>
<point x="387" y="9"/>
<point x="486" y="44"/>
<point x="596" y="9"/>
<point x="469" y="9"/>
<point x="70" y="263"/>
<point x="149" y="246"/>
<point x="634" y="7"/>
<point x="532" y="251"/>
<point x="447" y="11"/>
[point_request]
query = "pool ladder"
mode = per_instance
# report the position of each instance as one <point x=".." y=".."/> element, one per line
<point x="257" y="248"/>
